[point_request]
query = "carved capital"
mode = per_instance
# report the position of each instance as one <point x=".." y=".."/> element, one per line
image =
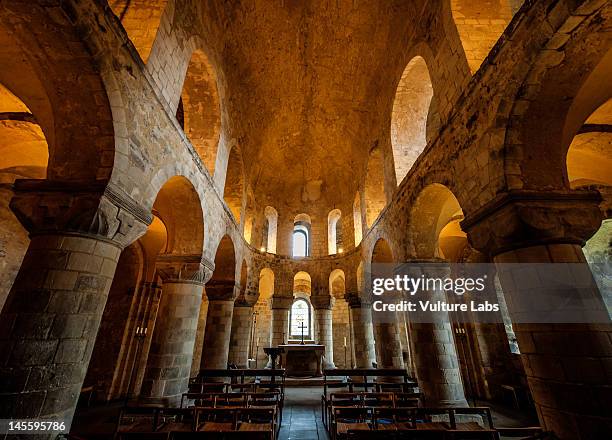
<point x="355" y="301"/>
<point x="183" y="268"/>
<point x="280" y="302"/>
<point x="522" y="218"/>
<point x="322" y="301"/>
<point x="45" y="206"/>
<point x="247" y="298"/>
<point x="222" y="290"/>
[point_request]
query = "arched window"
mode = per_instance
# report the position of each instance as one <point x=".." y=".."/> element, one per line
<point x="300" y="241"/>
<point x="270" y="230"/>
<point x="300" y="320"/>
<point x="334" y="232"/>
<point x="357" y="219"/>
<point x="301" y="236"/>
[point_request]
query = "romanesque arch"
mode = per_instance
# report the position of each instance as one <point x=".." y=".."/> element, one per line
<point x="375" y="198"/>
<point x="140" y="19"/>
<point x="409" y="116"/>
<point x="199" y="109"/>
<point x="233" y="192"/>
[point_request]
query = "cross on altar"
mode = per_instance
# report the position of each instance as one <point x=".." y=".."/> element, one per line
<point x="302" y="326"/>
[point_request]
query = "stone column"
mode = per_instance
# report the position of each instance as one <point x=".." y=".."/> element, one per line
<point x="279" y="325"/>
<point x="221" y="295"/>
<point x="242" y="323"/>
<point x="171" y="354"/>
<point x="50" y="320"/>
<point x="565" y="363"/>
<point x="323" y="312"/>
<point x="387" y="337"/>
<point x="199" y="340"/>
<point x="433" y="343"/>
<point x="363" y="333"/>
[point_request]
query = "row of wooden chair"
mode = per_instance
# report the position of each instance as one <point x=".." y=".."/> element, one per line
<point x="410" y="422"/>
<point x="367" y="399"/>
<point x="262" y="421"/>
<point x="368" y="379"/>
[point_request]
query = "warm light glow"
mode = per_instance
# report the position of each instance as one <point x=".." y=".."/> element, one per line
<point x="340" y="250"/>
<point x="263" y="249"/>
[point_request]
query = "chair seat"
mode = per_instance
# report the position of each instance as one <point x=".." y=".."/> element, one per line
<point x="433" y="426"/>
<point x="343" y="428"/>
<point x="469" y="426"/>
<point x="175" y="426"/>
<point x="217" y="427"/>
<point x="245" y="426"/>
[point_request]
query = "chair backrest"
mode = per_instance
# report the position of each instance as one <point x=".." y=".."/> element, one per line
<point x="482" y="411"/>
<point x="377" y="399"/>
<point x="257" y="415"/>
<point x="345" y="399"/>
<point x="142" y="413"/>
<point x="229" y="415"/>
<point x="407" y="399"/>
<point x="351" y="414"/>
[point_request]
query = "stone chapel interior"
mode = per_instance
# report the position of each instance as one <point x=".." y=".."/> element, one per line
<point x="184" y="183"/>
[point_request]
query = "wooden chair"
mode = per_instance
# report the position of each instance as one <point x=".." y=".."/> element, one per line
<point x="216" y="419"/>
<point x="349" y="418"/>
<point x="407" y="399"/>
<point x="176" y="419"/>
<point x="138" y="419"/>
<point x="425" y="419"/>
<point x="392" y="418"/>
<point x="378" y="399"/>
<point x="259" y="419"/>
<point x="341" y="399"/>
<point x="472" y="430"/>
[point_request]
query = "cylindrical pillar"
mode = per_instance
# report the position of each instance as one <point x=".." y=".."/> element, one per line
<point x="565" y="363"/>
<point x="433" y="343"/>
<point x="242" y="323"/>
<point x="49" y="324"/>
<point x="279" y="324"/>
<point x="360" y="315"/>
<point x="218" y="333"/>
<point x="169" y="362"/>
<point x="323" y="313"/>
<point x="199" y="339"/>
<point x="567" y="358"/>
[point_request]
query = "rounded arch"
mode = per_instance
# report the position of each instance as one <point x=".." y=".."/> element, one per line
<point x="434" y="220"/>
<point x="560" y="91"/>
<point x="266" y="283"/>
<point x="480" y="23"/>
<point x="302" y="283"/>
<point x="337" y="283"/>
<point x="233" y="192"/>
<point x="199" y="109"/>
<point x="357" y="223"/>
<point x="381" y="253"/>
<point x="301" y="319"/>
<point x="141" y="20"/>
<point x="589" y="156"/>
<point x="223" y="280"/>
<point x="301" y="239"/>
<point x="65" y="95"/>
<point x="334" y="232"/>
<point x="411" y="105"/>
<point x="179" y="207"/>
<point x="244" y="276"/>
<point x="270" y="229"/>
<point x="375" y="197"/>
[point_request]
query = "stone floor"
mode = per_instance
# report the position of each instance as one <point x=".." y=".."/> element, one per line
<point x="301" y="417"/>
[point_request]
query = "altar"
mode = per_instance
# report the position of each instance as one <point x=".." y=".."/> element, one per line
<point x="302" y="359"/>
